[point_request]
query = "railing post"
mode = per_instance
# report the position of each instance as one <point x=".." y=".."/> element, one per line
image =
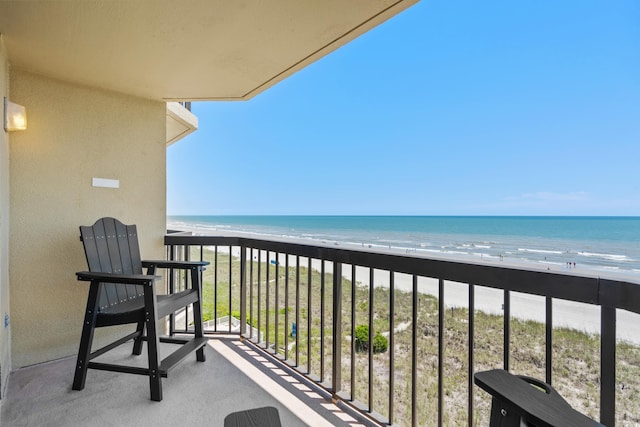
<point x="336" y="360"/>
<point x="608" y="366"/>
<point x="243" y="291"/>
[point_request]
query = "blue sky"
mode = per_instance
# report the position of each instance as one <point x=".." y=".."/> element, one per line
<point x="450" y="108"/>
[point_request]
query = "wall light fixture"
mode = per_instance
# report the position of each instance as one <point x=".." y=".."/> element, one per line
<point x="15" y="116"/>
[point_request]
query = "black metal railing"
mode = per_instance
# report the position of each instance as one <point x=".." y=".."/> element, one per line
<point x="306" y="305"/>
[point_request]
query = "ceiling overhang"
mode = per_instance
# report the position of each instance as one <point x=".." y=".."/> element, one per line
<point x="182" y="50"/>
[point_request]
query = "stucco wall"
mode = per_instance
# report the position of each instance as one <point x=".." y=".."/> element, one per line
<point x="5" y="332"/>
<point x="74" y="133"/>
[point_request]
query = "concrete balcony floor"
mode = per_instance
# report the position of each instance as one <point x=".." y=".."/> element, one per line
<point x="234" y="377"/>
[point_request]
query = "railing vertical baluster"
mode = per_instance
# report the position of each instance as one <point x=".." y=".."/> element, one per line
<point x="297" y="309"/>
<point x="391" y="343"/>
<point x="414" y="352"/>
<point x="370" y="355"/>
<point x="187" y="257"/>
<point x="472" y="307"/>
<point x="286" y="306"/>
<point x="243" y="291"/>
<point x="336" y="358"/>
<point x="266" y="303"/>
<point x="215" y="288"/>
<point x="251" y="294"/>
<point x="549" y="340"/>
<point x="172" y="320"/>
<point x="230" y="286"/>
<point x="309" y="317"/>
<point x="259" y="295"/>
<point x="440" y="351"/>
<point x="201" y="277"/>
<point x="353" y="331"/>
<point x="507" y="330"/>
<point x="276" y="304"/>
<point x="322" y="318"/>
<point x="608" y="365"/>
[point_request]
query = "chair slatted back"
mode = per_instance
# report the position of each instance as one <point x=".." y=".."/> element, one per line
<point x="112" y="247"/>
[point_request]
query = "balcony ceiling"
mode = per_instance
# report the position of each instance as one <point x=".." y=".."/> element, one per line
<point x="182" y="50"/>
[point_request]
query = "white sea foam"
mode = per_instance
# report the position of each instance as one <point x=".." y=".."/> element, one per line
<point x="612" y="257"/>
<point x="456" y="252"/>
<point x="400" y="242"/>
<point x="539" y="251"/>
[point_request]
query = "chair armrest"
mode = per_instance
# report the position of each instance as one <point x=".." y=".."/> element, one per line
<point x="130" y="279"/>
<point x="174" y="264"/>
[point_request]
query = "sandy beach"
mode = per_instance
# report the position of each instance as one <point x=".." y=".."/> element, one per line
<point x="582" y="317"/>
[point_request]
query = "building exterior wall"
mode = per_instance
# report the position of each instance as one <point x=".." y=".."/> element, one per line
<point x="75" y="133"/>
<point x="5" y="331"/>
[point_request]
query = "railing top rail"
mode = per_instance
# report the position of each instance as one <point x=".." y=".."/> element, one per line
<point x="585" y="288"/>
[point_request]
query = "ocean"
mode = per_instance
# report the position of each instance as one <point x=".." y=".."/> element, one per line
<point x="596" y="243"/>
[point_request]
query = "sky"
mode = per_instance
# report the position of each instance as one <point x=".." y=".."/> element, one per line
<point x="450" y="108"/>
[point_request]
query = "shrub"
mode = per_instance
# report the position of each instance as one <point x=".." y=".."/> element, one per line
<point x="380" y="342"/>
<point x="362" y="338"/>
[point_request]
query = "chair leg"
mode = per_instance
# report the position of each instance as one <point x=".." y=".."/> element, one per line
<point x="503" y="414"/>
<point x="86" y="339"/>
<point x="153" y="342"/>
<point x="196" y="274"/>
<point x="137" y="342"/>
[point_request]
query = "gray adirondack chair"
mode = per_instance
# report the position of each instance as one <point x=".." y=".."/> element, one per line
<point x="519" y="401"/>
<point x="120" y="294"/>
